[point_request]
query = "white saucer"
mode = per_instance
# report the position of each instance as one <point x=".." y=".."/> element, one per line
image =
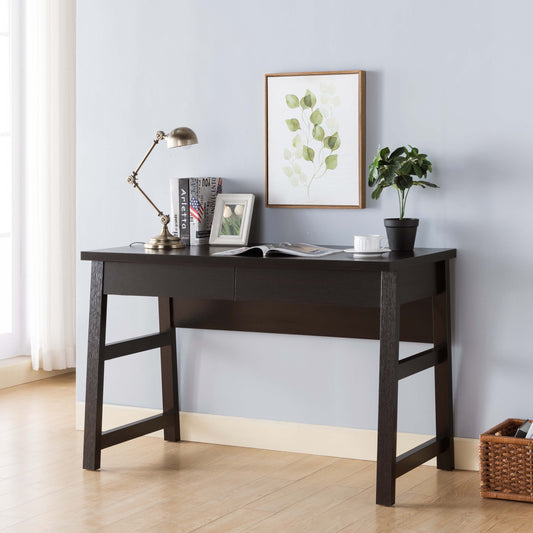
<point x="373" y="253"/>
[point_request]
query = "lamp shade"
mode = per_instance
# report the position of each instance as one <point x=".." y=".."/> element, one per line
<point x="181" y="137"/>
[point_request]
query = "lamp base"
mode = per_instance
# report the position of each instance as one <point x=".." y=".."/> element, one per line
<point x="164" y="241"/>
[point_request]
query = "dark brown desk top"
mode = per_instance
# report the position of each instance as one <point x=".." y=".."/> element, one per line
<point x="389" y="261"/>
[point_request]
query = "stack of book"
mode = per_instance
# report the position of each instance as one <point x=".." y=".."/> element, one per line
<point x="192" y="205"/>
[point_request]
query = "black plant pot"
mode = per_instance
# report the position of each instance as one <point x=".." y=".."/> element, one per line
<point x="401" y="233"/>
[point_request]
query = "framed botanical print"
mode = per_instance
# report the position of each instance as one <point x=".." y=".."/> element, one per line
<point x="315" y="139"/>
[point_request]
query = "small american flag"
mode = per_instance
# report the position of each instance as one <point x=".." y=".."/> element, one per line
<point x="196" y="209"/>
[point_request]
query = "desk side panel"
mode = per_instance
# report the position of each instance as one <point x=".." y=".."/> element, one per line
<point x="421" y="281"/>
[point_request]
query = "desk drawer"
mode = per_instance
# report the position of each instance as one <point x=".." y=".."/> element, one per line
<point x="308" y="286"/>
<point x="186" y="281"/>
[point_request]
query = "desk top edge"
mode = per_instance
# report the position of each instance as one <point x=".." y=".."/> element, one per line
<point x="203" y="253"/>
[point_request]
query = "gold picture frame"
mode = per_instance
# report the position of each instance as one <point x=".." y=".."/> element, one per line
<point x="315" y="140"/>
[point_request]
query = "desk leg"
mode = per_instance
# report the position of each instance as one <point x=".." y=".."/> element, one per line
<point x="95" y="370"/>
<point x="389" y="336"/>
<point x="169" y="369"/>
<point x="443" y="371"/>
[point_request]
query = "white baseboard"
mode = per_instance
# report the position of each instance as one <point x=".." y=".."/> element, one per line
<point x="18" y="370"/>
<point x="281" y="436"/>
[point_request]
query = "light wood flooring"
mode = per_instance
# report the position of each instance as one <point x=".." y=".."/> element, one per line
<point x="152" y="485"/>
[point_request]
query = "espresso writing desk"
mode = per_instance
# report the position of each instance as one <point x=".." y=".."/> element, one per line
<point x="336" y="296"/>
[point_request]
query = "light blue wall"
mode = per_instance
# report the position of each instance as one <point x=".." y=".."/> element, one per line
<point x="450" y="77"/>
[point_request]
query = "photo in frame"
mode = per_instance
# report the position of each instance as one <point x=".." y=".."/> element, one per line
<point x="315" y="139"/>
<point x="232" y="219"/>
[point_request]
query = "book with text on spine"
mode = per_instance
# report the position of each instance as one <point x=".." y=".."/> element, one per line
<point x="192" y="207"/>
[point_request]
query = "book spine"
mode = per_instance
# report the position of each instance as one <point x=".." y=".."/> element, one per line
<point x="174" y="207"/>
<point x="203" y="192"/>
<point x="194" y="212"/>
<point x="184" y="223"/>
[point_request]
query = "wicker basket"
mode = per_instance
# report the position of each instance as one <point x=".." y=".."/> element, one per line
<point x="506" y="463"/>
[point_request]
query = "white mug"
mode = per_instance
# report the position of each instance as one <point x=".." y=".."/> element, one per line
<point x="367" y="243"/>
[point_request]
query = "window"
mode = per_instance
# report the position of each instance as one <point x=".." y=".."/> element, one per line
<point x="9" y="254"/>
<point x="6" y="197"/>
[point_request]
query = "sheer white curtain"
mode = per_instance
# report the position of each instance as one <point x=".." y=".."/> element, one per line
<point x="49" y="169"/>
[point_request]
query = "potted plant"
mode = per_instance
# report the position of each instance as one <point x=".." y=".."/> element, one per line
<point x="402" y="169"/>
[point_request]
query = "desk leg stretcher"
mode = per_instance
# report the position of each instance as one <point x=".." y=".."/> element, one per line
<point x="392" y="370"/>
<point x="98" y="352"/>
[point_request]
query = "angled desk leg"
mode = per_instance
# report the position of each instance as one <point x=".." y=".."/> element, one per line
<point x="95" y="370"/>
<point x="388" y="388"/>
<point x="443" y="370"/>
<point x="169" y="370"/>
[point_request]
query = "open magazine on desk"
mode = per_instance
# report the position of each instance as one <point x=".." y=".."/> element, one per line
<point x="300" y="249"/>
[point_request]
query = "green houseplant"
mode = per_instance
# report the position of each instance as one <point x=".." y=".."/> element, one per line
<point x="402" y="169"/>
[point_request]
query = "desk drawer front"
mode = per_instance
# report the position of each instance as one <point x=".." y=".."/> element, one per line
<point x="184" y="281"/>
<point x="306" y="286"/>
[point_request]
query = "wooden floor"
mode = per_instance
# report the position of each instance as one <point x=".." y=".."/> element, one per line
<point x="152" y="485"/>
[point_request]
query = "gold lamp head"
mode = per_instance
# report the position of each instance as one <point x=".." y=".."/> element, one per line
<point x="181" y="137"/>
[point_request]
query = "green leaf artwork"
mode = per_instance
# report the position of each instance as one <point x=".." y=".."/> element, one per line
<point x="293" y="124"/>
<point x="308" y="101"/>
<point x="309" y="153"/>
<point x="318" y="133"/>
<point x="331" y="162"/>
<point x="310" y="156"/>
<point x="332" y="142"/>
<point x="289" y="171"/>
<point x="316" y="117"/>
<point x="292" y="100"/>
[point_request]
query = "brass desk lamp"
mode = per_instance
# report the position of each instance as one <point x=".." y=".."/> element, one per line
<point x="178" y="137"/>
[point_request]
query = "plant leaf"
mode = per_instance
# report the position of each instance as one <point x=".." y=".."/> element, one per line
<point x="308" y="101"/>
<point x="404" y="182"/>
<point x="405" y="169"/>
<point x="292" y="100"/>
<point x="418" y="171"/>
<point x="376" y="193"/>
<point x="373" y="175"/>
<point x="331" y="161"/>
<point x="318" y="133"/>
<point x="288" y="171"/>
<point x="316" y="117"/>
<point x="332" y="142"/>
<point x="309" y="153"/>
<point x="399" y="151"/>
<point x="287" y="154"/>
<point x="293" y="124"/>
